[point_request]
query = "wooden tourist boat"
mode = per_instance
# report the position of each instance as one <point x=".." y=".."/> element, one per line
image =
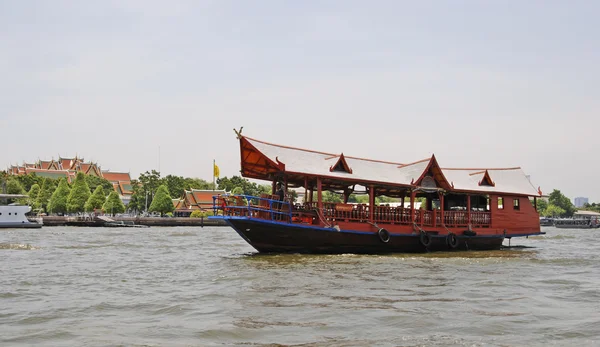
<point x="475" y="208"/>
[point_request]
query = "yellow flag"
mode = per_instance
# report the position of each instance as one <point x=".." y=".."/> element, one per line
<point x="216" y="170"/>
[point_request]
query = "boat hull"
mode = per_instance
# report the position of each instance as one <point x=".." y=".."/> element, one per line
<point x="276" y="237"/>
<point x="20" y="225"/>
<point x="576" y="226"/>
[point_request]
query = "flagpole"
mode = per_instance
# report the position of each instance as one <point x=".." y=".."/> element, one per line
<point x="213" y="175"/>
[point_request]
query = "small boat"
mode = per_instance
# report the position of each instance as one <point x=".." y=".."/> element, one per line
<point x="14" y="215"/>
<point x="580" y="220"/>
<point x="546" y="222"/>
<point x="461" y="209"/>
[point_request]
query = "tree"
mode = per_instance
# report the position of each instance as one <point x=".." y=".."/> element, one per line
<point x="33" y="195"/>
<point x="197" y="183"/>
<point x="553" y="211"/>
<point x="113" y="204"/>
<point x="80" y="193"/>
<point x="556" y="198"/>
<point x="199" y="214"/>
<point x="94" y="182"/>
<point x="14" y="187"/>
<point x="96" y="200"/>
<point x="137" y="201"/>
<point x="58" y="201"/>
<point x="27" y="181"/>
<point x="249" y="188"/>
<point x="331" y="197"/>
<point x="149" y="182"/>
<point x="162" y="201"/>
<point x="542" y="205"/>
<point x="43" y="198"/>
<point x="175" y="185"/>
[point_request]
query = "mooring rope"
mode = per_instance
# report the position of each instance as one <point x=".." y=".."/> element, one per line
<point x="322" y="218"/>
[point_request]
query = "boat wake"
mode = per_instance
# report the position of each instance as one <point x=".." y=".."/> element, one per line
<point x="17" y="246"/>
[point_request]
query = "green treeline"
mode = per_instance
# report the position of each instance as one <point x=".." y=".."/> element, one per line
<point x="557" y="205"/>
<point x="154" y="193"/>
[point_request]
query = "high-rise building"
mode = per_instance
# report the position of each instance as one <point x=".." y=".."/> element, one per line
<point x="580" y="201"/>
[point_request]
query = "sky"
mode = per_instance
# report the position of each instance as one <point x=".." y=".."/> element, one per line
<point x="141" y="85"/>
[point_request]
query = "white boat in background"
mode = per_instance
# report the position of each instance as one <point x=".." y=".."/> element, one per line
<point x="580" y="220"/>
<point x="15" y="216"/>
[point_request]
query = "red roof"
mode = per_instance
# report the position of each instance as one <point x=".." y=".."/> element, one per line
<point x="66" y="163"/>
<point x="45" y="164"/>
<point x="116" y="176"/>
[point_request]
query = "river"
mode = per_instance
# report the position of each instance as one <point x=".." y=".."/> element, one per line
<point x="191" y="286"/>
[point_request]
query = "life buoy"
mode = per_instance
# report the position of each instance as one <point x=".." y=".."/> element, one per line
<point x="425" y="239"/>
<point x="452" y="240"/>
<point x="384" y="235"/>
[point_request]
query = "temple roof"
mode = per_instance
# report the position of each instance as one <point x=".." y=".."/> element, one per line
<point x="116" y="176"/>
<point x="262" y="160"/>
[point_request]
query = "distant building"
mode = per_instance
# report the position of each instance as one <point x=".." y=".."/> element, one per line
<point x="195" y="199"/>
<point x="69" y="167"/>
<point x="580" y="201"/>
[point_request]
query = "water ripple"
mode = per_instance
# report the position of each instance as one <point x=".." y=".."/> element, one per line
<point x="207" y="287"/>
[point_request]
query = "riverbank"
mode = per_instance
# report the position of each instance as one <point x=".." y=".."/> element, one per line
<point x="50" y="221"/>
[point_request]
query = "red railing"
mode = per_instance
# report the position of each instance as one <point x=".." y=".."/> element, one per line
<point x="268" y="207"/>
<point x="481" y="219"/>
<point x="456" y="218"/>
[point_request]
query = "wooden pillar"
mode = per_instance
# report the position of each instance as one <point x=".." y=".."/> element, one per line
<point x="469" y="209"/>
<point x="371" y="202"/>
<point x="535" y="203"/>
<point x="273" y="186"/>
<point x="305" y="189"/>
<point x="319" y="193"/>
<point x="442" y="208"/>
<point x="412" y="206"/>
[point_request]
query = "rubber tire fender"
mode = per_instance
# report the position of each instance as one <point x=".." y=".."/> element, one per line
<point x="384" y="235"/>
<point x="425" y="239"/>
<point x="452" y="240"/>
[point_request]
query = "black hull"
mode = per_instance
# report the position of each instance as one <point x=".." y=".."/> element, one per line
<point x="576" y="226"/>
<point x="20" y="226"/>
<point x="270" y="237"/>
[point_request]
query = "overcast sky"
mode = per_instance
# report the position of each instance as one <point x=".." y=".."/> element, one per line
<point x="478" y="83"/>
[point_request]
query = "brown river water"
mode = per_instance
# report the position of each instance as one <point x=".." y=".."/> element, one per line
<point x="191" y="286"/>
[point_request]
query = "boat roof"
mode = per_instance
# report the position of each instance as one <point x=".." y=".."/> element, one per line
<point x="263" y="160"/>
<point x="587" y="213"/>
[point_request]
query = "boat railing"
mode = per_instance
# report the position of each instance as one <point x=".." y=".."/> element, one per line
<point x="265" y="206"/>
<point x="573" y="221"/>
<point x="456" y="218"/>
<point x="480" y="219"/>
<point x="270" y="208"/>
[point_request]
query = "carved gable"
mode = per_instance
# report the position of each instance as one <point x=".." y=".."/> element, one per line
<point x="341" y="165"/>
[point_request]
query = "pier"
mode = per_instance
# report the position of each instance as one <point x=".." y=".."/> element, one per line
<point x="148" y="221"/>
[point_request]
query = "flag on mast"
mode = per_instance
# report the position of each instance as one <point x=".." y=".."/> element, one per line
<point x="215" y="170"/>
<point x="215" y="173"/>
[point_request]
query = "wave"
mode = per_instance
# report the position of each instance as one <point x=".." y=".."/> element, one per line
<point x="18" y="246"/>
